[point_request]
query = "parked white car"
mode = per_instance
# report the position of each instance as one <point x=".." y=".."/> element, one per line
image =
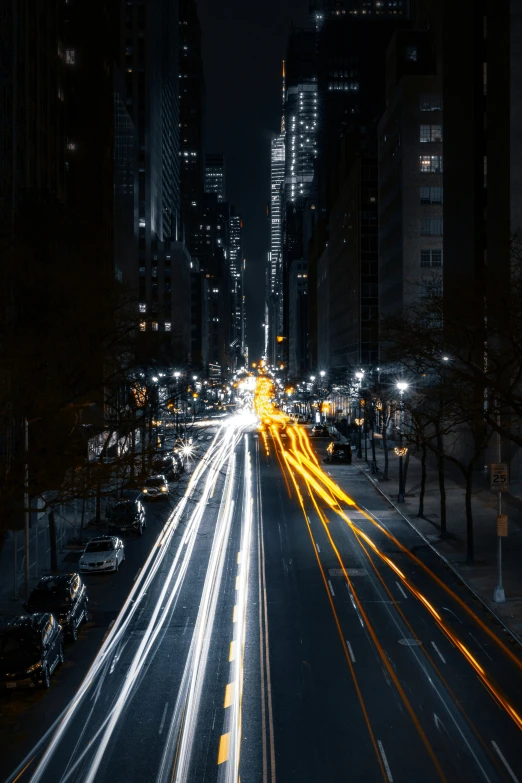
<point x="104" y="553"/>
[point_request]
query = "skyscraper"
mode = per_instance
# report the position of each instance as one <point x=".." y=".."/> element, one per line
<point x="277" y="184"/>
<point x="215" y="175"/>
<point x="191" y="112"/>
<point x="150" y="62"/>
<point x="321" y="9"/>
<point x="236" y="287"/>
<point x="301" y="113"/>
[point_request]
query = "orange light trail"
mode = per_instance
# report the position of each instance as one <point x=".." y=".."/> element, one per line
<point x="320" y="485"/>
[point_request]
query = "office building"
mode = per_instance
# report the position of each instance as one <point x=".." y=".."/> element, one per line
<point x="410" y="173"/>
<point x="32" y="96"/>
<point x="300" y="124"/>
<point x="298" y="320"/>
<point x="150" y="58"/>
<point x="211" y="248"/>
<point x="235" y="252"/>
<point x="274" y="281"/>
<point x="191" y="117"/>
<point x="343" y="262"/>
<point x="215" y="175"/>
<point x="368" y="9"/>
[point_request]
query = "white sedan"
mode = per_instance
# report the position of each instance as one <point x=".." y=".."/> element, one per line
<point x="105" y="553"/>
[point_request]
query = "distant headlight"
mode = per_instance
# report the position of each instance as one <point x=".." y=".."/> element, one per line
<point x="34" y="667"/>
<point x="145" y="490"/>
<point x="164" y="489"/>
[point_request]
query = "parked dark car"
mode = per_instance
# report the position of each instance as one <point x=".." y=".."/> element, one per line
<point x="341" y="452"/>
<point x="168" y="465"/>
<point x="31" y="647"/>
<point x="319" y="430"/>
<point x="128" y="517"/>
<point x="65" y="596"/>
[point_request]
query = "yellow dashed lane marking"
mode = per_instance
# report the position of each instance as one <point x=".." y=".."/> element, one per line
<point x="234" y="614"/>
<point x="237" y="582"/>
<point x="229" y="691"/>
<point x="223" y="748"/>
<point x="232" y="652"/>
<point x="239" y="557"/>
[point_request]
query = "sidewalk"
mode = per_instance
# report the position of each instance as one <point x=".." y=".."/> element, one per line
<point x="482" y="575"/>
<point x="68" y="535"/>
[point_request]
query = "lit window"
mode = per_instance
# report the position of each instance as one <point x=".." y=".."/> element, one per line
<point x="431" y="164"/>
<point x="70" y="56"/>
<point x="143" y="326"/>
<point x="143" y="307"/>
<point x="71" y="146"/>
<point x="154" y="326"/>
<point x="168" y="326"/>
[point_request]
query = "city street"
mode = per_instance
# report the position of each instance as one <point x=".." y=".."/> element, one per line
<point x="288" y="625"/>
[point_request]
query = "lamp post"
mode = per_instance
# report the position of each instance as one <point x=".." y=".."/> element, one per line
<point x="359" y="375"/>
<point x="401" y="451"/>
<point x="176" y="376"/>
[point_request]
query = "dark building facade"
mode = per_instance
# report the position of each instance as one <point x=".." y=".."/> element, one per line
<point x="215" y="175"/>
<point x="149" y="49"/>
<point x="211" y="248"/>
<point x="235" y="255"/>
<point x="191" y="118"/>
<point x="351" y="57"/>
<point x="411" y="193"/>
<point x="32" y="109"/>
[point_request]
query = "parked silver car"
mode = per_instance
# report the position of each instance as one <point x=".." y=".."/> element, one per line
<point x="104" y="553"/>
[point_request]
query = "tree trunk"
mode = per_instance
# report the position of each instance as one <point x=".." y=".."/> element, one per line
<point x="442" y="485"/>
<point x="470" y="543"/>
<point x="386" y="457"/>
<point x="420" y="512"/>
<point x="374" y="457"/>
<point x="406" y="464"/>
<point x="52" y="541"/>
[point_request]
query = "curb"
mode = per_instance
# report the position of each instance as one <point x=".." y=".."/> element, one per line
<point x="514" y="637"/>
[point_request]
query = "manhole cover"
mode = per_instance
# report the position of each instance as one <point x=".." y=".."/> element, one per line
<point x="410" y="642"/>
<point x="349" y="571"/>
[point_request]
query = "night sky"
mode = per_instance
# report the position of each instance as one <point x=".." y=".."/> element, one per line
<point x="244" y="42"/>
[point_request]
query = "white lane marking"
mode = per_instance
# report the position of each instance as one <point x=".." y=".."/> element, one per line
<point x="137" y="575"/>
<point x="503" y="760"/>
<point x="317" y="546"/>
<point x="163" y="717"/>
<point x="438" y="652"/>
<point x="355" y="605"/>
<point x="445" y="609"/>
<point x="401" y="589"/>
<point x="385" y="761"/>
<point x="352" y="656"/>
<point x="331" y="588"/>
<point x="481" y="647"/>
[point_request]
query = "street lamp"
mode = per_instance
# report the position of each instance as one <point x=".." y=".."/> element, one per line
<point x="401" y="451"/>
<point x="359" y="375"/>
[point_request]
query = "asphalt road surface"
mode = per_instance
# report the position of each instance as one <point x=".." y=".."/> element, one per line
<point x="289" y="626"/>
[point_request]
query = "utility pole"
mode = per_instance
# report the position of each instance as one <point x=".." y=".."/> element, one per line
<point x="499" y="595"/>
<point x="26" y="505"/>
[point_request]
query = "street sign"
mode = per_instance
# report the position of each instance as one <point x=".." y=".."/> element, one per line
<point x="499" y="477"/>
<point x="502" y="525"/>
